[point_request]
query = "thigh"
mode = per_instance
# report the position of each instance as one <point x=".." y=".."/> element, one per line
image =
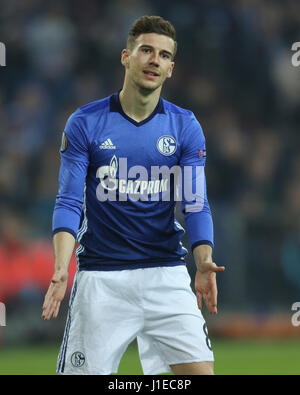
<point x="102" y="321"/>
<point x="174" y="327"/>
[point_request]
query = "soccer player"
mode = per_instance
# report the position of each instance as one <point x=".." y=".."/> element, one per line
<point x="122" y="159"/>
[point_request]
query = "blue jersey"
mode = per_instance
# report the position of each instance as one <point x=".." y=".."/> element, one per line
<point x="119" y="181"/>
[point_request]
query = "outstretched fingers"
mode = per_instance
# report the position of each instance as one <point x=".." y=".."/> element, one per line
<point x="51" y="304"/>
<point x="199" y="299"/>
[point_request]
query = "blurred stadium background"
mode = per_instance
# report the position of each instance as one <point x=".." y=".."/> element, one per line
<point x="234" y="71"/>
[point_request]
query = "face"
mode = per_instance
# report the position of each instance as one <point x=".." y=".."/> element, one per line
<point x="149" y="62"/>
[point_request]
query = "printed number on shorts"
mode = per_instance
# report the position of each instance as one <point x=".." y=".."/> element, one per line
<point x="206" y="337"/>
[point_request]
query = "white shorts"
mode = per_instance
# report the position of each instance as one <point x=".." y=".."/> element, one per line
<point x="109" y="309"/>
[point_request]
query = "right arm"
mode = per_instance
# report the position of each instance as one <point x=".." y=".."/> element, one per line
<point x="63" y="244"/>
<point x="67" y="211"/>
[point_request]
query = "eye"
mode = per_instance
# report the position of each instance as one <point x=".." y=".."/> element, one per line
<point x="166" y="56"/>
<point x="146" y="50"/>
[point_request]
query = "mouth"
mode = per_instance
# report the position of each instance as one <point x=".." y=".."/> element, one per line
<point x="151" y="74"/>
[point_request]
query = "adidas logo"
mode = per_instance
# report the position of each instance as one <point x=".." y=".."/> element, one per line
<point x="107" y="145"/>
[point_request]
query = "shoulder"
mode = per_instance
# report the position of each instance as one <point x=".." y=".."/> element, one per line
<point x="185" y="119"/>
<point x="176" y="110"/>
<point x="85" y="117"/>
<point x="93" y="109"/>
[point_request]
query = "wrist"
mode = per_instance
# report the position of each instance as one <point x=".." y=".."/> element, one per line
<point x="202" y="255"/>
<point x="62" y="268"/>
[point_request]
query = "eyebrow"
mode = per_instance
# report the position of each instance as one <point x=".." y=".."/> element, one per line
<point x="162" y="50"/>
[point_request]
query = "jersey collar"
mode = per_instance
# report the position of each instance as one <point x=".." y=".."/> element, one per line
<point x="115" y="106"/>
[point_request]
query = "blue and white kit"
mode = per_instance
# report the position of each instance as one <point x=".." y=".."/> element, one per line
<point x="129" y="234"/>
<point x="117" y="197"/>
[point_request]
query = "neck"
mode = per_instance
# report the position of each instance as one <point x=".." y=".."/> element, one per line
<point x="138" y="103"/>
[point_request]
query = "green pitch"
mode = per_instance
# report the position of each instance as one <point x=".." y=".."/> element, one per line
<point x="232" y="357"/>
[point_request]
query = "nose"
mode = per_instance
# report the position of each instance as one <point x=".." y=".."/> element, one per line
<point x="154" y="60"/>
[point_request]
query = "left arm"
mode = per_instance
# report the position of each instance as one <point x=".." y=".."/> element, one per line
<point x="198" y="216"/>
<point x="205" y="279"/>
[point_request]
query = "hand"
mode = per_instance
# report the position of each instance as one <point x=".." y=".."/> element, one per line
<point x="206" y="285"/>
<point x="55" y="294"/>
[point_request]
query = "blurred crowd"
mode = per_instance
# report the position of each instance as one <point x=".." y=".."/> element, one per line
<point x="233" y="70"/>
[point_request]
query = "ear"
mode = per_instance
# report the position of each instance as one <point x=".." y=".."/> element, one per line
<point x="170" y="71"/>
<point x="125" y="57"/>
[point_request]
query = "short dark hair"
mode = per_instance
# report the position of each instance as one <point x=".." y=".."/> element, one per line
<point x="151" y="24"/>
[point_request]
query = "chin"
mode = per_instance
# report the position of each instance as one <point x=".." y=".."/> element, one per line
<point x="149" y="86"/>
